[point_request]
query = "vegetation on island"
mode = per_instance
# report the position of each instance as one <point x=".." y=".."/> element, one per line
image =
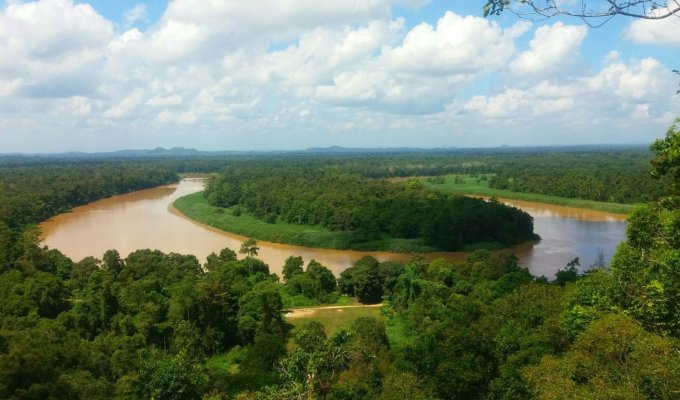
<point x="236" y="220"/>
<point x="367" y="210"/>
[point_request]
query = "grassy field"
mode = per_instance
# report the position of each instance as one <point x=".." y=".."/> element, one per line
<point x="196" y="207"/>
<point x="334" y="319"/>
<point x="470" y="185"/>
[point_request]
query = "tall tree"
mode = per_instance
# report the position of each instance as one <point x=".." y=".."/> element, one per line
<point x="249" y="248"/>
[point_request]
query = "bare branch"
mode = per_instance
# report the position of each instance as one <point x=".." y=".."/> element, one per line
<point x="602" y="10"/>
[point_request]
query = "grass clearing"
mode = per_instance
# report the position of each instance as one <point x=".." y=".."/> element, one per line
<point x="334" y="319"/>
<point x="470" y="185"/>
<point x="226" y="363"/>
<point x="396" y="332"/>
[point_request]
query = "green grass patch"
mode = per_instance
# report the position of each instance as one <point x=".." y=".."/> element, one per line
<point x="226" y="363"/>
<point x="471" y="185"/>
<point x="334" y="319"/>
<point x="225" y="373"/>
<point x="196" y="207"/>
<point x="396" y="332"/>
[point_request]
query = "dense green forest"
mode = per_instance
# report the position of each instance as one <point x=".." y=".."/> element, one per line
<point x="162" y="326"/>
<point x="611" y="174"/>
<point x="615" y="174"/>
<point x="616" y="178"/>
<point x="30" y="194"/>
<point x="369" y="209"/>
<point x="156" y="325"/>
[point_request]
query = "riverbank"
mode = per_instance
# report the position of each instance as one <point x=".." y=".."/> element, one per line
<point x="470" y="185"/>
<point x="146" y="219"/>
<point x="197" y="208"/>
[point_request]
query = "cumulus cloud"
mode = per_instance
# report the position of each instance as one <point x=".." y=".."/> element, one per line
<point x="551" y="50"/>
<point x="126" y="106"/>
<point x="136" y="14"/>
<point x="420" y="73"/>
<point x="279" y="16"/>
<point x="186" y="118"/>
<point x="300" y="68"/>
<point x="655" y="32"/>
<point x="53" y="47"/>
<point x="160" y="101"/>
<point x="618" y="93"/>
<point x="456" y="45"/>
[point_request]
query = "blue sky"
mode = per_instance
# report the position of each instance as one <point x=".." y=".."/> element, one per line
<point x="282" y="74"/>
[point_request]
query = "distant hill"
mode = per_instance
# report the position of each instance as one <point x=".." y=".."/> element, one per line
<point x="157" y="152"/>
<point x="175" y="152"/>
<point x="355" y="150"/>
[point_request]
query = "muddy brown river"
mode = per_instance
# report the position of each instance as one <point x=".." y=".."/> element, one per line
<point x="145" y="219"/>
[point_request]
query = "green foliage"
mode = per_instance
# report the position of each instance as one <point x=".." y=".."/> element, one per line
<point x="142" y="327"/>
<point x="317" y="283"/>
<point x="315" y="363"/>
<point x="404" y="386"/>
<point x="260" y="312"/>
<point x="363" y="280"/>
<point x="569" y="274"/>
<point x="371" y="209"/>
<point x="666" y="159"/>
<point x="164" y="376"/>
<point x="645" y="267"/>
<point x="249" y="248"/>
<point x="292" y="267"/>
<point x="614" y="358"/>
<point x="473" y="185"/>
<point x="30" y="194"/>
<point x="591" y="297"/>
<point x="523" y="326"/>
<point x="614" y="177"/>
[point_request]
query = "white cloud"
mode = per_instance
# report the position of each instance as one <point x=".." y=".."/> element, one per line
<point x="515" y="103"/>
<point x="53" y="46"/>
<point x="186" y="118"/>
<point x="422" y="72"/>
<point x="138" y="13"/>
<point x="663" y="31"/>
<point x="126" y="106"/>
<point x="274" y="17"/>
<point x="9" y="87"/>
<point x="297" y="69"/>
<point x="551" y="50"/>
<point x="618" y="92"/>
<point x="160" y="101"/>
<point x="457" y="44"/>
<point x="645" y="80"/>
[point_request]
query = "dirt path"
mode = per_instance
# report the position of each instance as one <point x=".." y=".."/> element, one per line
<point x="308" y="311"/>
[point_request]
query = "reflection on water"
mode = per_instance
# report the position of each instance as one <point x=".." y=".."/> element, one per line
<point x="143" y="220"/>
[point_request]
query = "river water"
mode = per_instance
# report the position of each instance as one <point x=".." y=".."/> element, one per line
<point x="145" y="219"/>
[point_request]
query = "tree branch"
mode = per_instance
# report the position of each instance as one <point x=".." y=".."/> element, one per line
<point x="642" y="9"/>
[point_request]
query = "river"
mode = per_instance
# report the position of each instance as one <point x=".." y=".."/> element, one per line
<point x="145" y="219"/>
